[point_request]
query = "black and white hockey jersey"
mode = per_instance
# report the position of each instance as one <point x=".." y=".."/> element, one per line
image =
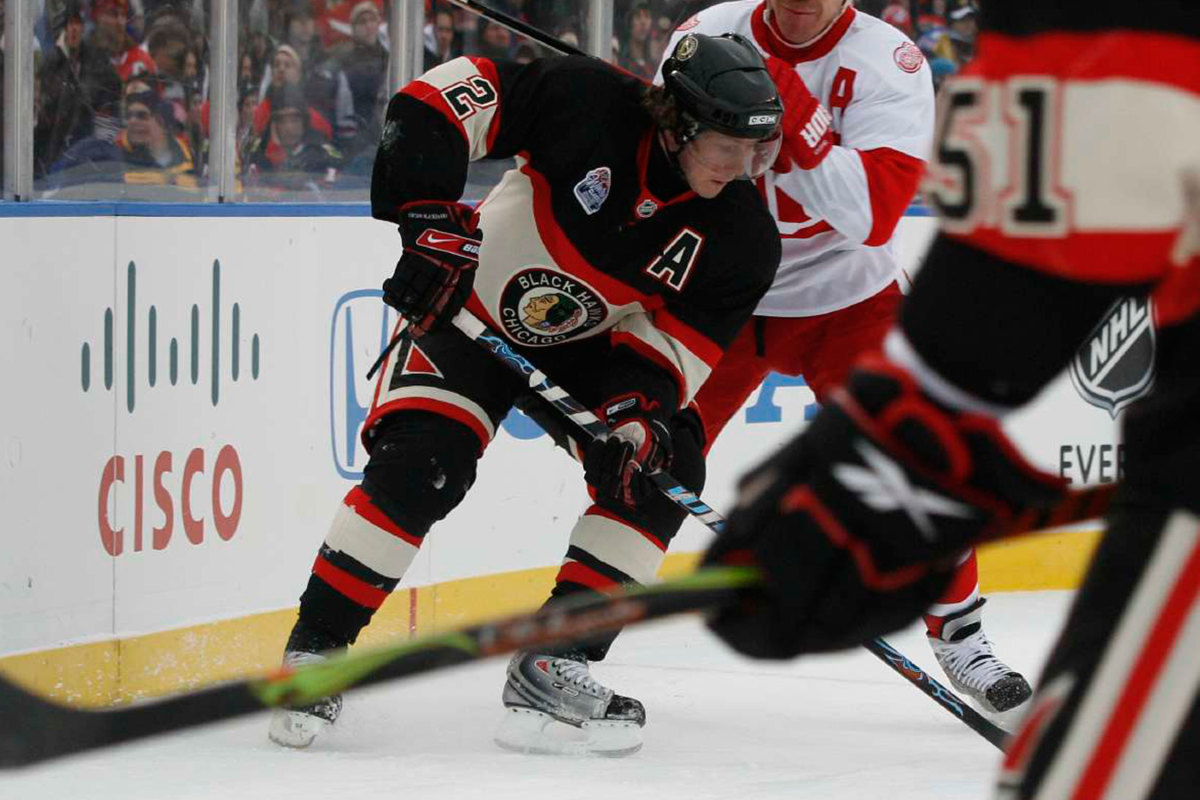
<point x="595" y="232"/>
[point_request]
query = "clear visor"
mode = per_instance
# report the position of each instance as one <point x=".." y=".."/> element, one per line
<point x="732" y="157"/>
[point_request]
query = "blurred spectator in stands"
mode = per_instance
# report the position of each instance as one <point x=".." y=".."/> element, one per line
<point x="467" y="27"/>
<point x="363" y="60"/>
<point x="931" y="16"/>
<point x="568" y="35"/>
<point x="964" y="27"/>
<point x="635" y="53"/>
<point x="323" y="81"/>
<point x="495" y="40"/>
<point x="525" y="52"/>
<point x="147" y="151"/>
<point x="168" y="42"/>
<point x="335" y="19"/>
<point x="898" y="14"/>
<point x="110" y="37"/>
<point x="80" y="92"/>
<point x="442" y="38"/>
<point x="660" y="36"/>
<point x="1" y="97"/>
<point x="152" y="151"/>
<point x="286" y="70"/>
<point x="942" y="68"/>
<point x="292" y="156"/>
<point x="259" y="48"/>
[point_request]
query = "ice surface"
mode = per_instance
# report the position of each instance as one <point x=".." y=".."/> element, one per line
<point x="718" y="726"/>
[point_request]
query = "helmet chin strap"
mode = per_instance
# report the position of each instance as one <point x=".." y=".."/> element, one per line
<point x="673" y="155"/>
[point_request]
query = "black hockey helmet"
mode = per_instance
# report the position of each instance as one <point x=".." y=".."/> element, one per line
<point x="722" y="83"/>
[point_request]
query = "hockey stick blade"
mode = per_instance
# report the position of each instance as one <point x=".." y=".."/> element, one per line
<point x="39" y="730"/>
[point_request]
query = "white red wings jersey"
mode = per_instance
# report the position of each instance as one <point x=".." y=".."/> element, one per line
<point x="836" y="221"/>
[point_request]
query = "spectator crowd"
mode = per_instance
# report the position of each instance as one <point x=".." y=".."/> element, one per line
<point x="121" y="94"/>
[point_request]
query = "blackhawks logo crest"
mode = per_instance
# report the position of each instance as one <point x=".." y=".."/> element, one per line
<point x="540" y="307"/>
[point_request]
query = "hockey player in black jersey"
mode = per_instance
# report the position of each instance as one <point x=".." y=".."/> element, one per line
<point x="858" y="523"/>
<point x="622" y="255"/>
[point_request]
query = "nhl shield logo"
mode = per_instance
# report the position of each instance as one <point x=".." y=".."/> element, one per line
<point x="646" y="208"/>
<point x="592" y="191"/>
<point x="1115" y="365"/>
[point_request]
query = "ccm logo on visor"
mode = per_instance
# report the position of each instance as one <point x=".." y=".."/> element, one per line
<point x="763" y="119"/>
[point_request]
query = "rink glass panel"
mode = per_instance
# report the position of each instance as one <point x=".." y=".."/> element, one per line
<point x="120" y="107"/>
<point x="312" y="88"/>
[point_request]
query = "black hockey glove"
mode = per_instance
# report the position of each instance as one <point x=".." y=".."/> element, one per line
<point x="858" y="524"/>
<point x="616" y="467"/>
<point x="433" y="278"/>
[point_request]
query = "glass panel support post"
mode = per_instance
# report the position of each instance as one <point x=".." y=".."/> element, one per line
<point x="18" y="100"/>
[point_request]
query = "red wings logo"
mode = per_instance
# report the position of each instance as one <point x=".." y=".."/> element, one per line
<point x="909" y="57"/>
<point x="689" y="23"/>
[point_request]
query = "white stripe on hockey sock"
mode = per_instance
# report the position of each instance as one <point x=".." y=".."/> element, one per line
<point x="1173" y="696"/>
<point x="369" y="545"/>
<point x="946" y="609"/>
<point x="619" y="546"/>
<point x="1112" y="675"/>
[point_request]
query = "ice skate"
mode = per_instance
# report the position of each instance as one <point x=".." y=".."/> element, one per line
<point x="966" y="657"/>
<point x="554" y="706"/>
<point x="299" y="726"/>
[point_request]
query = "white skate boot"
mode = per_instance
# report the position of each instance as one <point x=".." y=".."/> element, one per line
<point x="299" y="726"/>
<point x="554" y="706"/>
<point x="967" y="659"/>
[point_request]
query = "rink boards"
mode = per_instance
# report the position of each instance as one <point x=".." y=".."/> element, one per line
<point x="183" y="398"/>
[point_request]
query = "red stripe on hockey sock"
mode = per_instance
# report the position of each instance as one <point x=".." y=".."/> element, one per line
<point x="597" y="511"/>
<point x="357" y="499"/>
<point x="961" y="588"/>
<point x="344" y="583"/>
<point x="1141" y="682"/>
<point x="574" y="572"/>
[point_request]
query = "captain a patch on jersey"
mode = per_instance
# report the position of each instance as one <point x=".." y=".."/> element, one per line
<point x="541" y="307"/>
<point x="592" y="191"/>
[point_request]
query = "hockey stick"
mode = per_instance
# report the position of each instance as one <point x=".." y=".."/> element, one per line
<point x="1084" y="502"/>
<point x="37" y="730"/>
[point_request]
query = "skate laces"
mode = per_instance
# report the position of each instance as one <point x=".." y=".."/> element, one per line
<point x="576" y="672"/>
<point x="971" y="661"/>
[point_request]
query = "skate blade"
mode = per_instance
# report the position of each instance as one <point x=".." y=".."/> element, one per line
<point x="294" y="729"/>
<point x="1009" y="720"/>
<point x="524" y="730"/>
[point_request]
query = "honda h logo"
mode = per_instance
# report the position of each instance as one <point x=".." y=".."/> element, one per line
<point x="362" y="325"/>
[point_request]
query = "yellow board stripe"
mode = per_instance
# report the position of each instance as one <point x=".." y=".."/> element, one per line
<point x="121" y="670"/>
